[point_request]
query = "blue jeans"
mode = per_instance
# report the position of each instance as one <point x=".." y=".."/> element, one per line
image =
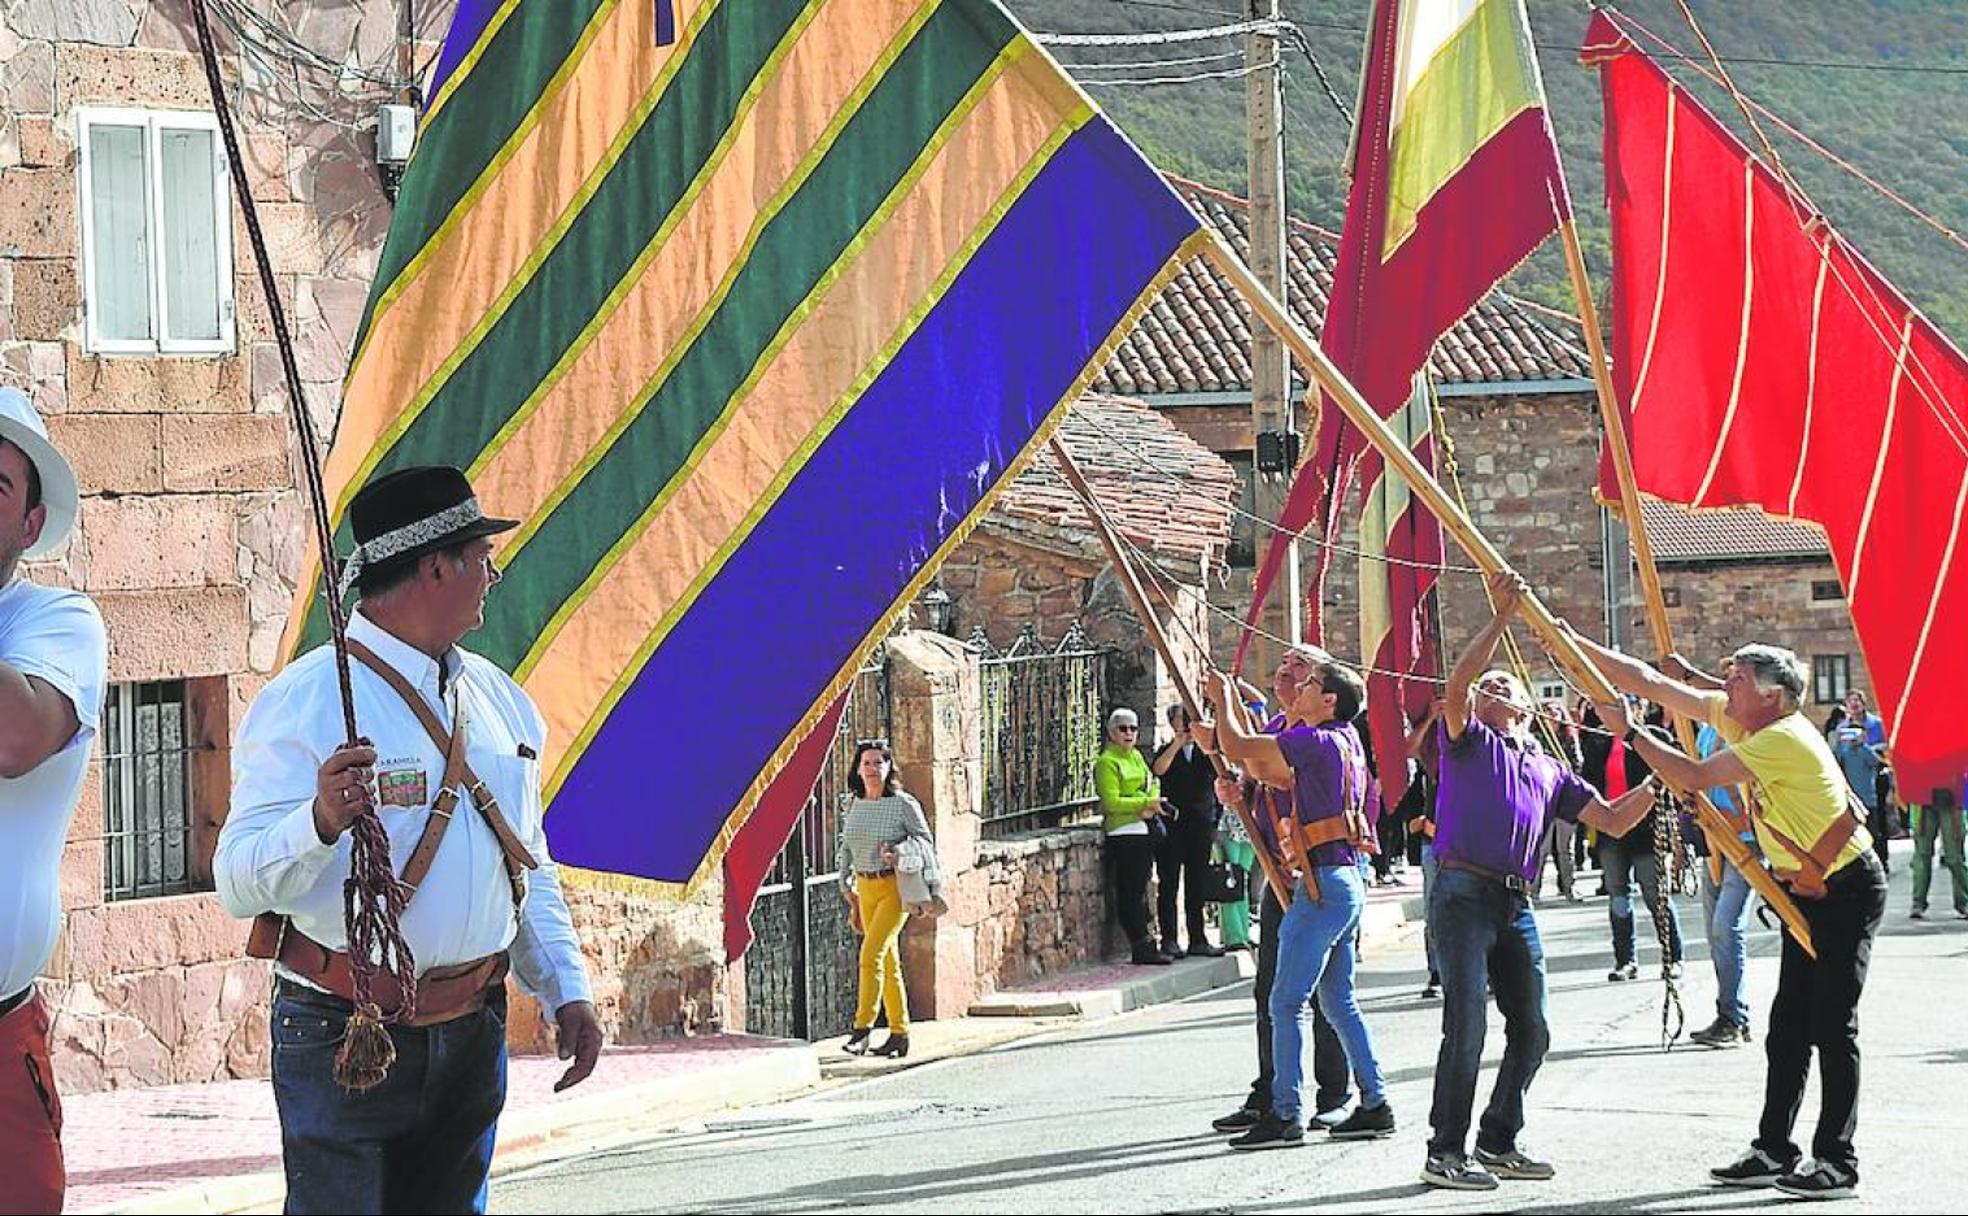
<point x="1316" y="952"/>
<point x="421" y="1141"/>
<point x="1727" y="908"/>
<point x="1483" y="931"/>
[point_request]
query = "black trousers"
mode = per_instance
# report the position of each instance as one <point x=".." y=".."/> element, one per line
<point x="1329" y="1071"/>
<point x="1132" y="860"/>
<point x="1181" y="856"/>
<point x="1817" y="1006"/>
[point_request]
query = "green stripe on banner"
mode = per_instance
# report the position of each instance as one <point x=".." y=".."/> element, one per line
<point x="654" y="174"/>
<point x="508" y="82"/>
<point x="799" y="251"/>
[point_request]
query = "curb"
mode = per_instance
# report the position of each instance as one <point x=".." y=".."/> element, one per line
<point x="1160" y="987"/>
<point x="528" y="1137"/>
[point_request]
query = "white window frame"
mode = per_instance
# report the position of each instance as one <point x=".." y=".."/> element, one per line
<point x="154" y="124"/>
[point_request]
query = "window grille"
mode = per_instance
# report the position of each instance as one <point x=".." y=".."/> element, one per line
<point x="148" y="762"/>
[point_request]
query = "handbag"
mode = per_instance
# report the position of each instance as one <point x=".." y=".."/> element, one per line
<point x="1224" y="882"/>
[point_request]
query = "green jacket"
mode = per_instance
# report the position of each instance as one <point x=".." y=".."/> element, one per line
<point x="1126" y="786"/>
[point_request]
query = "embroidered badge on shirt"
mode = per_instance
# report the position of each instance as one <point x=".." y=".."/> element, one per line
<point x="405" y="787"/>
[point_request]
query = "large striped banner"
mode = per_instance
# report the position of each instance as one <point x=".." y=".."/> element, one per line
<point x="747" y="308"/>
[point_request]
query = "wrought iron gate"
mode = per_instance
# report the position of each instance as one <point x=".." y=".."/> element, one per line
<point x="800" y="973"/>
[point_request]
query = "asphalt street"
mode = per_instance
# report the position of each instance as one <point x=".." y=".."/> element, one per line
<point x="1114" y="1116"/>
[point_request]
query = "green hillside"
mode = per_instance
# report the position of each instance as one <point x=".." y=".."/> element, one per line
<point x="1901" y="114"/>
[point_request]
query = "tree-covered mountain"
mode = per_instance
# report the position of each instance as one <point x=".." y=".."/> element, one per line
<point x="1883" y="83"/>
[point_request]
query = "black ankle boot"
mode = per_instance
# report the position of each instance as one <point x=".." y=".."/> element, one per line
<point x="857" y="1043"/>
<point x="896" y="1047"/>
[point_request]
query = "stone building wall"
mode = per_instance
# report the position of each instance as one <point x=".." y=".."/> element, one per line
<point x="1019" y="909"/>
<point x="1007" y="577"/>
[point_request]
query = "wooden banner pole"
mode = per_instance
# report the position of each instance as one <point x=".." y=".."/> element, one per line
<point x="1138" y="594"/>
<point x="1458" y="524"/>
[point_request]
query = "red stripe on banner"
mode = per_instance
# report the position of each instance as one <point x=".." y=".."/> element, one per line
<point x="759" y="841"/>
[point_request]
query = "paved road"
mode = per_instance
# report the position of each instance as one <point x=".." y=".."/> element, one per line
<point x="1114" y="1117"/>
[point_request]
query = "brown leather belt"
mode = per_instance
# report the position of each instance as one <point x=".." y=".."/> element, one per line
<point x="444" y="994"/>
<point x="1509" y="882"/>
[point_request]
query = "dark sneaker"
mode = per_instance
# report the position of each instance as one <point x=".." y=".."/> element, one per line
<point x="1366" y="1123"/>
<point x="1455" y="1172"/>
<point x="1433" y="990"/>
<point x="1148" y="956"/>
<point x="1820" y="1180"/>
<point x="1201" y="948"/>
<point x="1327" y="1119"/>
<point x="1721" y="1033"/>
<point x="1624" y="971"/>
<point x="1270" y="1132"/>
<point x="1516" y="1163"/>
<point x="1171" y="948"/>
<point x="1754" y="1168"/>
<point x="1240" y="1120"/>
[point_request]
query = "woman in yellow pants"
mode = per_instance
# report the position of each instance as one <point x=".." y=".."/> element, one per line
<point x="878" y="817"/>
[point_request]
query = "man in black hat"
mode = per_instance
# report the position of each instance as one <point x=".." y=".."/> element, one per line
<point x="454" y="775"/>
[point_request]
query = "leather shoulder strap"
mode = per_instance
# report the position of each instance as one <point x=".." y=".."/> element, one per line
<point x="458" y="778"/>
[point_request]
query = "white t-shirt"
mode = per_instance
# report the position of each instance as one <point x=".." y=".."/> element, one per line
<point x="57" y="636"/>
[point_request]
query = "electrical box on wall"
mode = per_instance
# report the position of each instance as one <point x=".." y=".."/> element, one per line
<point x="396" y="131"/>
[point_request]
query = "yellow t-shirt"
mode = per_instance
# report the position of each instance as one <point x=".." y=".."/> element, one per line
<point x="1799" y="788"/>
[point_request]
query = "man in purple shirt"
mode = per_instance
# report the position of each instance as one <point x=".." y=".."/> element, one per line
<point x="1498" y="790"/>
<point x="1320" y="759"/>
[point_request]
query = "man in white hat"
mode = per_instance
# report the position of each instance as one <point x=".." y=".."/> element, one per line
<point x="52" y="658"/>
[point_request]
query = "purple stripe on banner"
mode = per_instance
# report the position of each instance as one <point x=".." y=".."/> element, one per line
<point x="665" y="22"/>
<point x="909" y="462"/>
<point x="466" y="25"/>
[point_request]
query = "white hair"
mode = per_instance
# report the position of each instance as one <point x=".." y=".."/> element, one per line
<point x="1122" y="717"/>
<point x="1774" y="669"/>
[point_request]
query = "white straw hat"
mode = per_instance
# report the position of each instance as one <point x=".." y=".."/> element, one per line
<point x="21" y="425"/>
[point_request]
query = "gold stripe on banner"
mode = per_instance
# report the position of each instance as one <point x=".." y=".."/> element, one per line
<point x="606" y="375"/>
<point x="852" y="333"/>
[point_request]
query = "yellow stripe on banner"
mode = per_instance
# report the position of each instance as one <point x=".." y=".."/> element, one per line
<point x="470" y="61"/>
<point x="1810" y="380"/>
<point x="617" y="30"/>
<point x="1387" y="500"/>
<point x="680" y="345"/>
<point x="1461" y="90"/>
<point x="846" y="673"/>
<point x="1742" y="338"/>
<point x="589" y="654"/>
<point x="468" y="274"/>
<point x="1660" y="279"/>
<point x="1879" y="468"/>
<point x="568" y="420"/>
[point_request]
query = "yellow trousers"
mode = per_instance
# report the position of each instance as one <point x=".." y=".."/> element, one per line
<point x="882" y="916"/>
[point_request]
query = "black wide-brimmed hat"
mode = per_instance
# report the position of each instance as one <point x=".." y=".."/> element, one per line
<point x="400" y="516"/>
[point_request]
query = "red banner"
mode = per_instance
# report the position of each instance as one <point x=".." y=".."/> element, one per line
<point x="1790" y="376"/>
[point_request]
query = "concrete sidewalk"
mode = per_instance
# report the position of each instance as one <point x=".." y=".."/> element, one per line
<point x="216" y="1147"/>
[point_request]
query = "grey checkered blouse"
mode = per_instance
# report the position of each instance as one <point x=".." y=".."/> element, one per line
<point x="869" y="823"/>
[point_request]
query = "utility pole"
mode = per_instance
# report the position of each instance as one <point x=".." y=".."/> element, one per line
<point x="1275" y="433"/>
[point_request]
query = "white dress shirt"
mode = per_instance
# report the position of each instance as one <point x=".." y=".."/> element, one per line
<point x="270" y="858"/>
<point x="56" y="636"/>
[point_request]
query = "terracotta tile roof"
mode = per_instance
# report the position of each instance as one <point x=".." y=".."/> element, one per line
<point x="1736" y="533"/>
<point x="1167" y="493"/>
<point x="1194" y="337"/>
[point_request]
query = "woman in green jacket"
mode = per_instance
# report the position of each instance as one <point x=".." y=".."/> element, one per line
<point x="1130" y="801"/>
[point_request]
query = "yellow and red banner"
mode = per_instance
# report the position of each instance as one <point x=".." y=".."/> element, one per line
<point x="1455" y="181"/>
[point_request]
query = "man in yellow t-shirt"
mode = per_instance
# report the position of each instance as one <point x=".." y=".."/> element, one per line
<point x="1802" y="814"/>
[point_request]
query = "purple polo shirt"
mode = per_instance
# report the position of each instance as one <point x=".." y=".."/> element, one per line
<point x="1329" y="769"/>
<point x="1495" y="797"/>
